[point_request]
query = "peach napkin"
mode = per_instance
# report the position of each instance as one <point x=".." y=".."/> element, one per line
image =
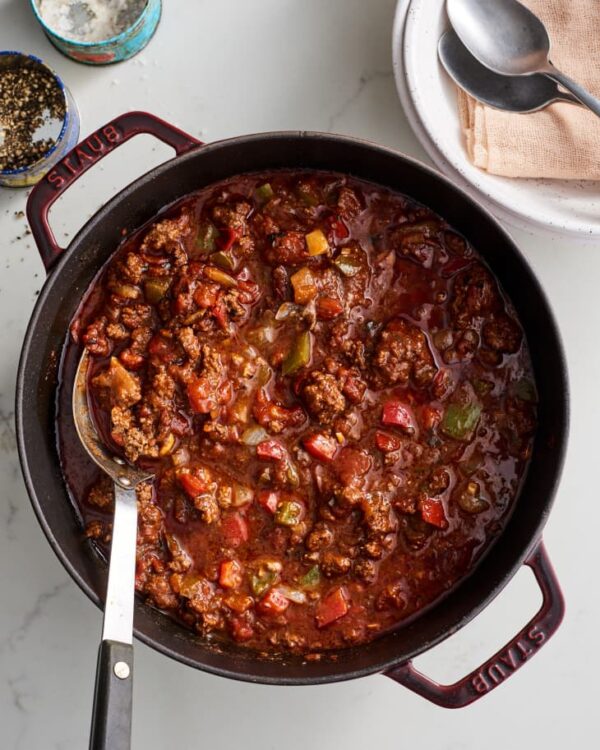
<point x="563" y="140"/>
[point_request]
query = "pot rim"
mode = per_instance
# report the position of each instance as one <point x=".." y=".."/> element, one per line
<point x="383" y="665"/>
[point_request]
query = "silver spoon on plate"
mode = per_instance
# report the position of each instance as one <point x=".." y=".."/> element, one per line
<point x="511" y="93"/>
<point x="509" y="39"/>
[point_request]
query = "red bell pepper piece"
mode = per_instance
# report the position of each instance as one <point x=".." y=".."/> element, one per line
<point x="273" y="603"/>
<point x="332" y="607"/>
<point x="395" y="413"/>
<point x="321" y="446"/>
<point x="271" y="450"/>
<point x="235" y="529"/>
<point x="269" y="500"/>
<point x="387" y="443"/>
<point x="328" y="308"/>
<point x="226" y="239"/>
<point x="432" y="511"/>
<point x="193" y="485"/>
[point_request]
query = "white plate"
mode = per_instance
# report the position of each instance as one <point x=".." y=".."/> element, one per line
<point x="428" y="96"/>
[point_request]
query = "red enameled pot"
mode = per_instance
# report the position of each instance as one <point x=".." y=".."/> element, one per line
<point x="70" y="271"/>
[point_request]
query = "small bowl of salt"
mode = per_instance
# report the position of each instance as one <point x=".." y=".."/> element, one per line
<point x="98" y="32"/>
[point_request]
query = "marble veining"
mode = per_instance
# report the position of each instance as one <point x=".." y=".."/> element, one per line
<point x="226" y="69"/>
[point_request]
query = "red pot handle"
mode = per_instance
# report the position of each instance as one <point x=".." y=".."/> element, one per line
<point x="506" y="661"/>
<point x="87" y="153"/>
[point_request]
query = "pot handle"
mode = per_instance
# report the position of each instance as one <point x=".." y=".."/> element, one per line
<point x="505" y="662"/>
<point x="87" y="153"/>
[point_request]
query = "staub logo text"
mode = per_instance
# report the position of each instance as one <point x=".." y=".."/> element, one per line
<point x="507" y="662"/>
<point x="100" y="142"/>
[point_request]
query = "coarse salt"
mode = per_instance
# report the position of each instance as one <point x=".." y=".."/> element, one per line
<point x="90" y="20"/>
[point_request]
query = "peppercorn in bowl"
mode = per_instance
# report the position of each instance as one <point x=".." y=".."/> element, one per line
<point x="39" y="121"/>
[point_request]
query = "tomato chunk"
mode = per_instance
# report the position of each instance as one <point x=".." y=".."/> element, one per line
<point x="431" y="417"/>
<point x="230" y="574"/>
<point x="387" y="443"/>
<point x="162" y="348"/>
<point x="269" y="500"/>
<point x="201" y="395"/>
<point x="194" y="485"/>
<point x="395" y="413"/>
<point x="235" y="529"/>
<point x="432" y="511"/>
<point x="241" y="630"/>
<point x="273" y="603"/>
<point x="321" y="446"/>
<point x="332" y="607"/>
<point x="271" y="450"/>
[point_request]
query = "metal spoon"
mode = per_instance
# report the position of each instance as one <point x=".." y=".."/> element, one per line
<point x="509" y="39"/>
<point x="510" y="93"/>
<point x="111" y="720"/>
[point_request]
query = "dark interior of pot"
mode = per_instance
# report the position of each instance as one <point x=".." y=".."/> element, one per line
<point x="139" y="203"/>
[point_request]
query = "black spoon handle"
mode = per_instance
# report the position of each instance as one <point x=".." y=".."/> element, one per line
<point x="111" y="720"/>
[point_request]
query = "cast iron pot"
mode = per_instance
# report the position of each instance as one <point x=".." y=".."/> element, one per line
<point x="70" y="271"/>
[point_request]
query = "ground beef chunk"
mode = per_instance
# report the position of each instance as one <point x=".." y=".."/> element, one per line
<point x="366" y="570"/>
<point x="98" y="531"/>
<point x="123" y="386"/>
<point x="233" y="216"/>
<point x="415" y="241"/>
<point x="320" y="537"/>
<point x="335" y="564"/>
<point x="102" y="494"/>
<point x="281" y="283"/>
<point x="158" y="590"/>
<point x="132" y="268"/>
<point x="348" y="203"/>
<point x="150" y="517"/>
<point x="475" y="294"/>
<point x="378" y="516"/>
<point x="322" y="396"/>
<point x="393" y="596"/>
<point x="96" y="340"/>
<point x="189" y="341"/>
<point x="137" y="315"/>
<point x="169" y="236"/>
<point x="287" y="248"/>
<point x="403" y="353"/>
<point x="117" y="332"/>
<point x="134" y="441"/>
<point x="502" y="334"/>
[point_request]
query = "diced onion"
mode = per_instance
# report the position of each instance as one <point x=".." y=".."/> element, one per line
<point x="299" y="597"/>
<point x="254" y="435"/>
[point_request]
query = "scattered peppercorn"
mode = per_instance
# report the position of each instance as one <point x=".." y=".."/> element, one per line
<point x="32" y="110"/>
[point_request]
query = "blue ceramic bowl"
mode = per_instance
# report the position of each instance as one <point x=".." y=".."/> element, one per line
<point x="117" y="48"/>
<point x="68" y="136"/>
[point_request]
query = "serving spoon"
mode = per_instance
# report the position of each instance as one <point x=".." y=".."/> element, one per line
<point x="511" y="93"/>
<point x="509" y="39"/>
<point x="111" y="719"/>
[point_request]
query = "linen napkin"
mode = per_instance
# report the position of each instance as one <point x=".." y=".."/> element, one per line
<point x="563" y="140"/>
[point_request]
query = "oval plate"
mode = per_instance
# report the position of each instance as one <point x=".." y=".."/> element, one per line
<point x="565" y="207"/>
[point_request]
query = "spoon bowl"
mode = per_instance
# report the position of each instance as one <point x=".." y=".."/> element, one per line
<point x="111" y="719"/>
<point x="502" y="34"/>
<point x="520" y="94"/>
<point x="508" y="38"/>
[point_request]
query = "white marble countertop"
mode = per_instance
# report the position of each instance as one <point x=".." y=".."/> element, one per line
<point x="219" y="68"/>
